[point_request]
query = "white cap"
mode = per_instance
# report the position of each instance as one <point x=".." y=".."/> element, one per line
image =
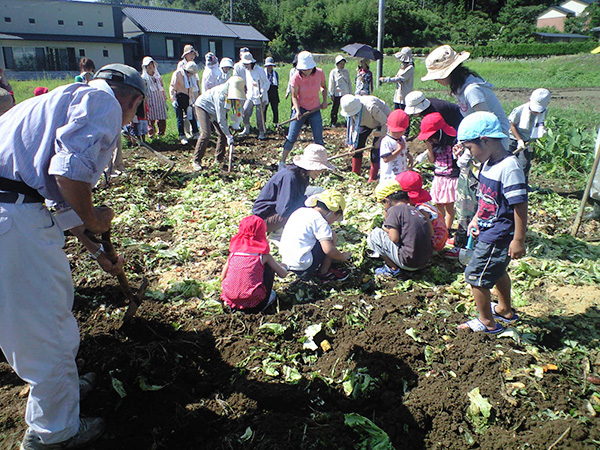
<point x="305" y="61"/>
<point x="539" y="100"/>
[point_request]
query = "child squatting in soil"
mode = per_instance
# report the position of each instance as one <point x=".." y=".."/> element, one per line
<point x="250" y="270"/>
<point x="405" y="242"/>
<point x="308" y="244"/>
<point x="500" y="223"/>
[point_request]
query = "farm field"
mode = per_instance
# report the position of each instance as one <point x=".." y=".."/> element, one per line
<point x="186" y="375"/>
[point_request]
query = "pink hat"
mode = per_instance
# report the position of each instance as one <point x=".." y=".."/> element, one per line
<point x="251" y="237"/>
<point x="411" y="182"/>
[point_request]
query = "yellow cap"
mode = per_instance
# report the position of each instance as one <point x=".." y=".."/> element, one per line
<point x="386" y="188"/>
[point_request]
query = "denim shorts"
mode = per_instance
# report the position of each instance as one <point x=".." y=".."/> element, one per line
<point x="487" y="265"/>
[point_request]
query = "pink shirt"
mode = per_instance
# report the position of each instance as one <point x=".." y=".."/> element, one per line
<point x="309" y="88"/>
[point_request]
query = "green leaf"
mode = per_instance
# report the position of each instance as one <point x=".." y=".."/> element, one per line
<point x="372" y="437"/>
<point x="144" y="386"/>
<point x="117" y="385"/>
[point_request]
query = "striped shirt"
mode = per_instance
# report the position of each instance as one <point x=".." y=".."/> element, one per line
<point x="70" y="131"/>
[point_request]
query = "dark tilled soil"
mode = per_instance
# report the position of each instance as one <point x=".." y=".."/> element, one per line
<point x="192" y="381"/>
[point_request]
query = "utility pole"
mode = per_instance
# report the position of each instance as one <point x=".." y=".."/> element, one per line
<point x="380" y="24"/>
<point x="231" y="10"/>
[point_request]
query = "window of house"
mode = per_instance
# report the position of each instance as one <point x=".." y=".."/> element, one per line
<point x="80" y="23"/>
<point x="100" y="24"/>
<point x="170" y="48"/>
<point x="81" y="52"/>
<point x="61" y="22"/>
<point x="7" y="19"/>
<point x="31" y="20"/>
<point x="105" y="53"/>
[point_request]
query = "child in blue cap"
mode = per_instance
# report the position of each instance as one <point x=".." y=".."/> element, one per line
<point x="500" y="223"/>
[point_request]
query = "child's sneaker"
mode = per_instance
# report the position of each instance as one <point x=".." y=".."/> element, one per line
<point x="334" y="275"/>
<point x="387" y="271"/>
<point x="453" y="253"/>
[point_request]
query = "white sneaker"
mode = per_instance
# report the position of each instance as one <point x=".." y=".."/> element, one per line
<point x="184" y="141"/>
<point x="245" y="132"/>
<point x="90" y="429"/>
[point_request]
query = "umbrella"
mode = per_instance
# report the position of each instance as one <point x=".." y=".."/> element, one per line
<point x="363" y="51"/>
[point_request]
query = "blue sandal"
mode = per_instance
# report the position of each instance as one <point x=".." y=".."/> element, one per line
<point x="503" y="319"/>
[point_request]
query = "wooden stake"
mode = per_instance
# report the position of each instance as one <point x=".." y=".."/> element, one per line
<point x="588" y="187"/>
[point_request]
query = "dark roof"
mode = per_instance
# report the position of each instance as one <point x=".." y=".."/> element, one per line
<point x="246" y="32"/>
<point x="177" y="21"/>
<point x="564" y="35"/>
<point x="66" y="38"/>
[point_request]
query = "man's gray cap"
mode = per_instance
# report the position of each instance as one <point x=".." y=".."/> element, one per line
<point x="123" y="74"/>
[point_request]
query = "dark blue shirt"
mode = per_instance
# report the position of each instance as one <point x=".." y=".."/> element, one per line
<point x="283" y="194"/>
<point x="449" y="111"/>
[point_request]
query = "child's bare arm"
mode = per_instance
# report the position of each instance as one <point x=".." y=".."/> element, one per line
<point x="393" y="233"/>
<point x="224" y="271"/>
<point x="280" y="270"/>
<point x="430" y="152"/>
<point x="330" y="250"/>
<point x="517" y="245"/>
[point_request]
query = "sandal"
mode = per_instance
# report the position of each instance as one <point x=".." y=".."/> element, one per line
<point x="503" y="319"/>
<point x="478" y="326"/>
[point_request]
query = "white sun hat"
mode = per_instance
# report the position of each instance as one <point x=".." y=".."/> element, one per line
<point x="305" y="61"/>
<point x="247" y="58"/>
<point x="350" y="105"/>
<point x="405" y="55"/>
<point x="191" y="67"/>
<point x="226" y="62"/>
<point x="442" y="61"/>
<point x="269" y="61"/>
<point x="314" y="157"/>
<point x="340" y="58"/>
<point x="416" y="103"/>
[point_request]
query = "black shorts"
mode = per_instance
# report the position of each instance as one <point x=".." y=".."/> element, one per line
<point x="487" y="265"/>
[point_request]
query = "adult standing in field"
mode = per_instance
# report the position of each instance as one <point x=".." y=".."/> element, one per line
<point x="404" y="78"/>
<point x="273" y="93"/>
<point x="211" y="111"/>
<point x="55" y="147"/>
<point x="307" y="84"/>
<point x="288" y="89"/>
<point x="183" y="88"/>
<point x="364" y="78"/>
<point x="365" y="114"/>
<point x="156" y="97"/>
<point x="211" y="76"/>
<point x="418" y="104"/>
<point x="189" y="54"/>
<point x="87" y="69"/>
<point x="238" y="67"/>
<point x="285" y="192"/>
<point x="226" y="66"/>
<point x="339" y="85"/>
<point x="257" y="94"/>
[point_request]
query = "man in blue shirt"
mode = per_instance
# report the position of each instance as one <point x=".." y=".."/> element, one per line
<point x="55" y="147"/>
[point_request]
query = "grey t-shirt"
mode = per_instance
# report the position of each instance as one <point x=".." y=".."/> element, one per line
<point x="414" y="248"/>
<point x="476" y="91"/>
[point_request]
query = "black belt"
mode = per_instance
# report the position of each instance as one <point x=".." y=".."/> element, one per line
<point x="12" y="188"/>
<point x="13" y="197"/>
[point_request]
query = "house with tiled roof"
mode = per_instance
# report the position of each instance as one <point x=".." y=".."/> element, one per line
<point x="555" y="16"/>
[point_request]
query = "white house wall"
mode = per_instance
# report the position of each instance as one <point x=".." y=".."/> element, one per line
<point x="552" y="14"/>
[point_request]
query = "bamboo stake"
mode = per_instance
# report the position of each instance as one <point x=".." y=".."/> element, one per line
<point x="588" y="187"/>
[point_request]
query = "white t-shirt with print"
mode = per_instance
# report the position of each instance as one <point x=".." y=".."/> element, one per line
<point x="304" y="228"/>
<point x="389" y="170"/>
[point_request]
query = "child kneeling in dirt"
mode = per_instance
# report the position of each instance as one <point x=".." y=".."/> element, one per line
<point x="308" y="244"/>
<point x="405" y="242"/>
<point x="500" y="222"/>
<point x="250" y="270"/>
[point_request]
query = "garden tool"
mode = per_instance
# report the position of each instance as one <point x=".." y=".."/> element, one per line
<point x="161" y="157"/>
<point x="350" y="153"/>
<point x="464" y="254"/>
<point x="230" y="157"/>
<point x="135" y="299"/>
<point x="304" y="114"/>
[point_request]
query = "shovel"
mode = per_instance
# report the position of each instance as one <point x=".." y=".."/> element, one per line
<point x="161" y="157"/>
<point x="230" y="157"/>
<point x="464" y="255"/>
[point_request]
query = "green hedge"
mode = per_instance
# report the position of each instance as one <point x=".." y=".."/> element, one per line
<point x="498" y="50"/>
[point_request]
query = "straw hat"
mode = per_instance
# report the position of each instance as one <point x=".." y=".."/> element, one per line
<point x="305" y="61"/>
<point x="416" y="103"/>
<point x="313" y="158"/>
<point x="188" y="49"/>
<point x="404" y="55"/>
<point x="442" y="61"/>
<point x="235" y="88"/>
<point x="269" y="62"/>
<point x="350" y="105"/>
<point x="247" y="58"/>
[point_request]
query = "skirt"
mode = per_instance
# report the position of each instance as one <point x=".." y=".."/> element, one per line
<point x="443" y="189"/>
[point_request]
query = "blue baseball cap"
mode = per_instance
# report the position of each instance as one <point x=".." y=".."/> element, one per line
<point x="480" y="124"/>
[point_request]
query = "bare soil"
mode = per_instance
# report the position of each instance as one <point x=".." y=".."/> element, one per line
<point x="211" y="388"/>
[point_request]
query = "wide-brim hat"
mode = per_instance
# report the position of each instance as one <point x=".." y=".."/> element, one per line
<point x="412" y="183"/>
<point x="226" y="62"/>
<point x="442" y="61"/>
<point x="188" y="49"/>
<point x="416" y="103"/>
<point x="340" y="58"/>
<point x="247" y="58"/>
<point x="235" y="88"/>
<point x="538" y="102"/>
<point x="269" y="62"/>
<point x="314" y="157"/>
<point x="350" y="105"/>
<point x="305" y="61"/>
<point x="431" y="124"/>
<point x="251" y="237"/>
<point x="404" y="55"/>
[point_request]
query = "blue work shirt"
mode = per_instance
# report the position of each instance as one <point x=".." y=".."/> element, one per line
<point x="71" y="131"/>
<point x="283" y="194"/>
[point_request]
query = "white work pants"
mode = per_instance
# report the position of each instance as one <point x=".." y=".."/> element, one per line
<point x="38" y="333"/>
